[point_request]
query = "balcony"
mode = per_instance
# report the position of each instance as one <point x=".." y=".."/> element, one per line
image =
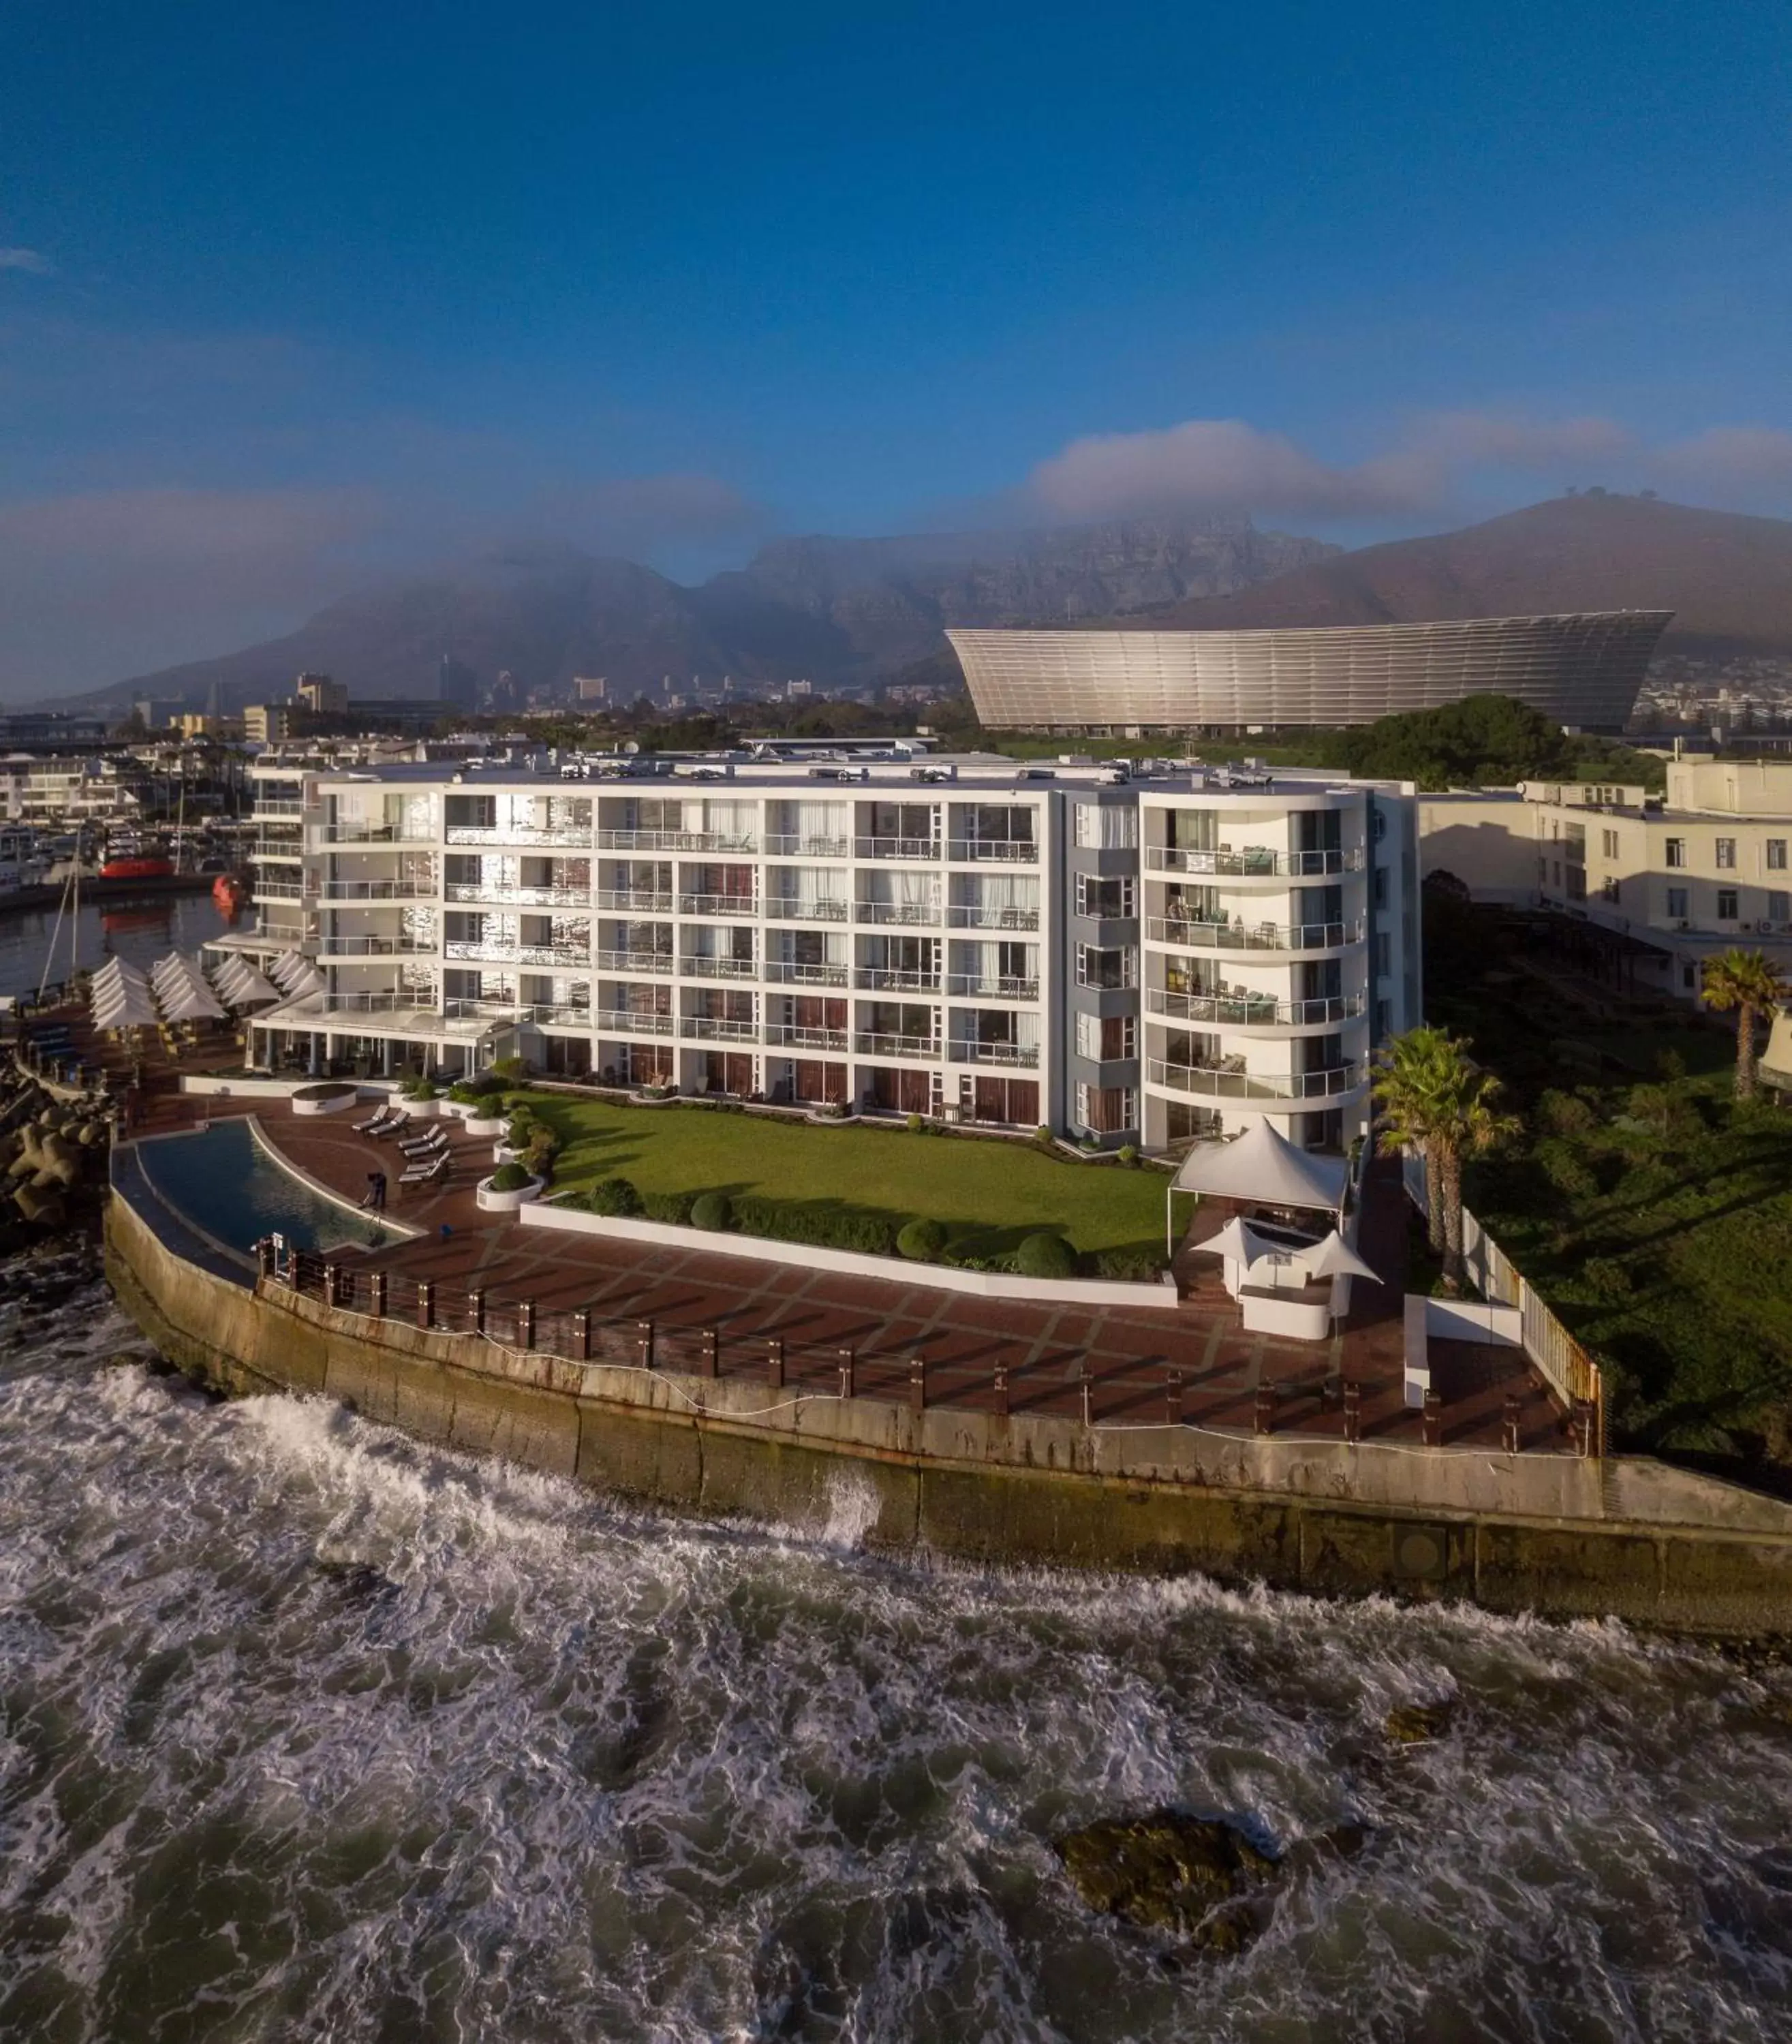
<point x="267" y="889"/>
<point x="265" y="808"/>
<point x="1013" y="851"/>
<point x="1254" y="1010"/>
<point x="784" y="845"/>
<point x="971" y="1052"/>
<point x="329" y="946"/>
<point x="886" y="979"/>
<point x="718" y="968"/>
<point x="714" y="1029"/>
<point x="976" y="915"/>
<point x="790" y="1036"/>
<point x="629" y="1022"/>
<point x="1230" y="1082"/>
<point x="1188" y="935"/>
<point x="1253" y="862"/>
<point x="575" y="836"/>
<point x="665" y="840"/>
<point x="377" y="890"/>
<point x="556" y="1015"/>
<point x="923" y="913"/>
<point x="868" y="1045"/>
<point x="518" y="897"/>
<point x="791" y="972"/>
<point x="896" y="848"/>
<point x="717" y="904"/>
<point x="265" y="848"/>
<point x="494" y="953"/>
<point x="634" y="962"/>
<point x="973" y="986"/>
<point x="375" y="835"/>
<point x="787" y="908"/>
<point x="636" y="901"/>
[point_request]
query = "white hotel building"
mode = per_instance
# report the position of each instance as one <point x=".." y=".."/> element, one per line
<point x="1149" y="954"/>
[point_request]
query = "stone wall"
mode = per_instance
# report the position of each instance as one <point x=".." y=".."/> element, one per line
<point x="1548" y="1533"/>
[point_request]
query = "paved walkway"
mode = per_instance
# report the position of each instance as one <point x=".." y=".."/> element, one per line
<point x="1129" y="1355"/>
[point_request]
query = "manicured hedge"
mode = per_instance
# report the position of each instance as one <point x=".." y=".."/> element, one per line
<point x="1044" y="1255"/>
<point x="921" y="1241"/>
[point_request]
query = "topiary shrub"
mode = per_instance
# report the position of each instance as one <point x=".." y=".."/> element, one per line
<point x="544" y="1147"/>
<point x="921" y="1241"/>
<point x="1128" y="1153"/>
<point x="521" y="1131"/>
<point x="1042" y="1135"/>
<point x="614" y="1196"/>
<point x="711" y="1210"/>
<point x="915" y="1124"/>
<point x="420" y="1089"/>
<point x="673" y="1207"/>
<point x="1043" y="1255"/>
<point x="509" y="1177"/>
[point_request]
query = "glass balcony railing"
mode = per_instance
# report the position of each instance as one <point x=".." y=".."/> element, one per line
<point x="1253" y="862"/>
<point x="677" y="840"/>
<point x="333" y="947"/>
<point x="558" y="1015"/>
<point x="1229" y="1081"/>
<point x="869" y="1043"/>
<point x="1254" y="1010"/>
<point x="975" y="986"/>
<point x="982" y="915"/>
<point x="717" y="904"/>
<point x="520" y="897"/>
<point x="889" y="979"/>
<point x="494" y="952"/>
<point x="896" y="848"/>
<point x="567" y="834"/>
<point x="922" y="912"/>
<point x="629" y="1022"/>
<point x="377" y="890"/>
<point x="374" y="834"/>
<point x="718" y="968"/>
<point x="788" y="909"/>
<point x="636" y="901"/>
<point x="971" y="1051"/>
<point x="1189" y="935"/>
<point x="1012" y="851"/>
<point x="785" y="844"/>
<point x="793" y="972"/>
<point x="799" y="1036"/>
<point x="634" y="962"/>
<point x="716" y="1028"/>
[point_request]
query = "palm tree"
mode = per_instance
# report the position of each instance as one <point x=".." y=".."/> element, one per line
<point x="1436" y="1100"/>
<point x="1751" y="983"/>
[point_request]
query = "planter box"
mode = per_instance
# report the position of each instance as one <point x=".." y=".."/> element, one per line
<point x="326" y="1099"/>
<point x="486" y="1124"/>
<point x="492" y="1201"/>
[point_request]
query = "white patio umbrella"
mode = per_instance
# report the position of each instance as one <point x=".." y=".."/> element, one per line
<point x="115" y="972"/>
<point x="308" y="980"/>
<point x="1236" y="1244"/>
<point x="1332" y="1257"/>
<point x="194" y="1002"/>
<point x="127" y="1007"/>
<point x="246" y="987"/>
<point x="287" y="967"/>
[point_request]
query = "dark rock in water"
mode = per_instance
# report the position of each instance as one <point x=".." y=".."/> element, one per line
<point x="1413" y="1724"/>
<point x="1168" y="1872"/>
<point x="1341" y="1841"/>
<point x="356" y="1579"/>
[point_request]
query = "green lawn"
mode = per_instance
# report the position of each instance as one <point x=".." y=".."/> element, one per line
<point x="989" y="1194"/>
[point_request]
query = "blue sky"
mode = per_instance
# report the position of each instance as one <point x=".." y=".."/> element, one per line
<point x="291" y="295"/>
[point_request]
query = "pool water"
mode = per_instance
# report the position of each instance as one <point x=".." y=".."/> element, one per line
<point x="230" y="1186"/>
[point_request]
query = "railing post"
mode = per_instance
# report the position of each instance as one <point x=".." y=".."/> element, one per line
<point x="264" y="1257"/>
<point x="525" y="1324"/>
<point x="1000" y="1389"/>
<point x="1432" y="1421"/>
<point x="581" y="1333"/>
<point x="775" y="1362"/>
<point x="1263" y="1416"/>
<point x="1352" y="1409"/>
<point x="425" y="1302"/>
<point x="1086" y="1384"/>
<point x="1583" y="1426"/>
<point x="1509" y="1424"/>
<point x="376" y="1288"/>
<point x="644" y="1343"/>
<point x="709" y="1353"/>
<point x="1173" y="1397"/>
<point x="917" y="1384"/>
<point x="476" y="1309"/>
<point x="848" y="1373"/>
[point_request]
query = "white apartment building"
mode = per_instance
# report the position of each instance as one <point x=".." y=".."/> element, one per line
<point x="51" y="790"/>
<point x="1665" y="880"/>
<point x="1144" y="954"/>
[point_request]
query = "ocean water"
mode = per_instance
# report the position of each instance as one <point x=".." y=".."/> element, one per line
<point x="141" y="932"/>
<point x="307" y="1731"/>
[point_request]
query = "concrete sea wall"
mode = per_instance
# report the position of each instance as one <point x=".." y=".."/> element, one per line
<point x="1551" y="1534"/>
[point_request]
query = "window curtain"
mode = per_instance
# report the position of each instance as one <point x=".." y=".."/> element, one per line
<point x="917" y="889"/>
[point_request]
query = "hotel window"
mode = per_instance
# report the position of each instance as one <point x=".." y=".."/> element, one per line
<point x="1779" y="907"/>
<point x="1098" y="898"/>
<point x="1099" y="968"/>
<point x="1726" y="854"/>
<point x="1609" y="888"/>
<point x="1384" y="1017"/>
<point x="1106" y="1110"/>
<point x="1608" y="843"/>
<point x="1106" y="1038"/>
<point x="1776" y="855"/>
<point x="1677" y="904"/>
<point x="1383" y="954"/>
<point x="1381" y="886"/>
<point x="1676" y="852"/>
<point x="1102" y="829"/>
<point x="1727" y="909"/>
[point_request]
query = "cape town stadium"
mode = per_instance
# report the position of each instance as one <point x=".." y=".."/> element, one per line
<point x="1582" y="670"/>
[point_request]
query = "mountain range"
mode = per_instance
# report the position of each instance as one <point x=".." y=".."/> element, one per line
<point x="846" y="612"/>
<point x="836" y="612"/>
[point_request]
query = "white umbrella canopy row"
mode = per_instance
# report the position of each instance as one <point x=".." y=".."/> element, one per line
<point x="241" y="985"/>
<point x="295" y="975"/>
<point x="124" y="1005"/>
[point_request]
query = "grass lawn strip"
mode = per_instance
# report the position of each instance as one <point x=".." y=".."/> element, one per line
<point x="989" y="1195"/>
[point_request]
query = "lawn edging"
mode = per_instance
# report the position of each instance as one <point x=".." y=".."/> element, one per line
<point x="887" y="1270"/>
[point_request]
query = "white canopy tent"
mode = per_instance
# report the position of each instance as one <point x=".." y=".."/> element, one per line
<point x="242" y="986"/>
<point x="1261" y="1164"/>
<point x="124" y="1006"/>
<point x="115" y="972"/>
<point x="193" y="1002"/>
<point x="290" y="965"/>
<point x="1332" y="1257"/>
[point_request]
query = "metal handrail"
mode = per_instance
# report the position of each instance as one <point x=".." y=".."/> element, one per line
<point x="677" y="840"/>
<point x="786" y="909"/>
<point x="897" y="912"/>
<point x="629" y="962"/>
<point x="968" y="985"/>
<point x="628" y="1022"/>
<point x="975" y="916"/>
<point x="717" y="904"/>
<point x="891" y="980"/>
<point x="790" y="972"/>
<point x="1254" y="862"/>
<point x="718" y="1029"/>
<point x="1015" y="851"/>
<point x="791" y="1036"/>
<point x="1253" y="1085"/>
<point x="1253" y="1011"/>
<point x="719" y="968"/>
<point x="869" y="1043"/>
<point x="973" y="1053"/>
<point x="1197" y="936"/>
<point x="896" y="848"/>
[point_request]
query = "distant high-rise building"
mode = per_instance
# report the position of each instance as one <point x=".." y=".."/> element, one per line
<point x="320" y="695"/>
<point x="589" y="687"/>
<point x="457" y="683"/>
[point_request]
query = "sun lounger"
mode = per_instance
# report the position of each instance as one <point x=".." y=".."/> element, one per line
<point x="391" y="1128"/>
<point x="426" y="1173"/>
<point x="425" y="1145"/>
<point x="376" y="1124"/>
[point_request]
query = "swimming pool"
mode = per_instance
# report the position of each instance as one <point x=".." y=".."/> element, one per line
<point x="231" y="1186"/>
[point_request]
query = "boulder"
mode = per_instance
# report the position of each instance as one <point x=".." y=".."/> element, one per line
<point x="42" y="1206"/>
<point x="1169" y="1872"/>
<point x="1414" y="1724"/>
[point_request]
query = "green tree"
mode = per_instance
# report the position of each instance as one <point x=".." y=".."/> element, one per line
<point x="1436" y="1101"/>
<point x="1751" y="983"/>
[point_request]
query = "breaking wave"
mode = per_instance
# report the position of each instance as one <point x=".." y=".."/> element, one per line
<point x="309" y="1732"/>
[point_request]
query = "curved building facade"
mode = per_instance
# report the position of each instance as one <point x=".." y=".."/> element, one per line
<point x="1583" y="669"/>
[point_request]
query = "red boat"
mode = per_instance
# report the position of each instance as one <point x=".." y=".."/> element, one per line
<point x="229" y="893"/>
<point x="137" y="869"/>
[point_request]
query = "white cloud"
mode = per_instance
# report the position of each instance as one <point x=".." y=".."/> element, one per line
<point x="1207" y="465"/>
<point x="25" y="258"/>
<point x="1746" y="463"/>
